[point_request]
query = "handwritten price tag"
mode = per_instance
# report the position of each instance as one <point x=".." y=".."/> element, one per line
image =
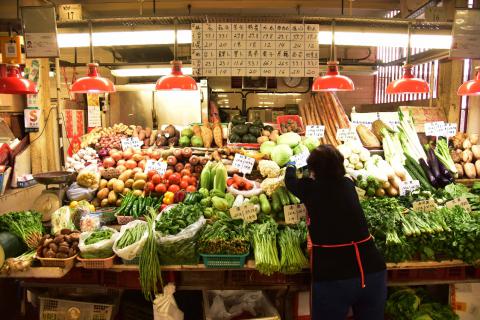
<point x="435" y="129"/>
<point x="360" y="192"/>
<point x="132" y="142"/>
<point x="347" y="134"/>
<point x="315" y="131"/>
<point x="159" y="166"/>
<point x="461" y="202"/>
<point x="450" y="129"/>
<point x="407" y="187"/>
<point x="247" y="212"/>
<point x="424" y="205"/>
<point x="243" y="163"/>
<point x="293" y="213"/>
<point x="300" y="159"/>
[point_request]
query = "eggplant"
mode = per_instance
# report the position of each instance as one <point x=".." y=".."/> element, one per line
<point x="433" y="162"/>
<point x="428" y="173"/>
<point x="445" y="172"/>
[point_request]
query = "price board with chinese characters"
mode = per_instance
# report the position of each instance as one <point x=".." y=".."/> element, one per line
<point x="407" y="187"/>
<point x="243" y="163"/>
<point x="246" y="212"/>
<point x="315" y="131"/>
<point x="159" y="166"/>
<point x="347" y="134"/>
<point x="132" y="142"/>
<point x="300" y="159"/>
<point x="424" y="205"/>
<point x="255" y="50"/>
<point x="293" y="213"/>
<point x="461" y="202"/>
<point x="435" y="129"/>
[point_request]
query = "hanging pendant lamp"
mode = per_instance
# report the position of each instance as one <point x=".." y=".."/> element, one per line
<point x="93" y="82"/>
<point x="332" y="80"/>
<point x="176" y="80"/>
<point x="471" y="87"/>
<point x="408" y="83"/>
<point x="13" y="83"/>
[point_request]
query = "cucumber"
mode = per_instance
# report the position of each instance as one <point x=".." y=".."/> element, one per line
<point x="282" y="192"/>
<point x="264" y="204"/>
<point x="276" y="204"/>
<point x="293" y="198"/>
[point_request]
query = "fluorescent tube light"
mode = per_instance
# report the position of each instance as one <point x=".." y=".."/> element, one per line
<point x="123" y="38"/>
<point x="147" y="72"/>
<point x="374" y="39"/>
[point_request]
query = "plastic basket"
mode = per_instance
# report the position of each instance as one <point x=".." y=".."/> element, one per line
<point x="124" y="219"/>
<point x="60" y="263"/>
<point x="135" y="260"/>
<point x="294" y="118"/>
<point x="224" y="261"/>
<point x="58" y="309"/>
<point x="97" y="263"/>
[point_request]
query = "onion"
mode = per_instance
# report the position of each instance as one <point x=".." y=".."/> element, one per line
<point x="127" y="154"/>
<point x="121" y="162"/>
<point x="116" y="156"/>
<point x="108" y="162"/>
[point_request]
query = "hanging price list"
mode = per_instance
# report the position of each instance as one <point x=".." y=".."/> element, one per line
<point x="132" y="142"/>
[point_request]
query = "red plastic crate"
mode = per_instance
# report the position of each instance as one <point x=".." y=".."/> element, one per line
<point x="297" y="119"/>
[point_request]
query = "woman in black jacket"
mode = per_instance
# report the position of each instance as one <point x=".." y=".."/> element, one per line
<point x="347" y="269"/>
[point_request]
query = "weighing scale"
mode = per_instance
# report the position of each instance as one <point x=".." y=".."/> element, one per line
<point x="52" y="197"/>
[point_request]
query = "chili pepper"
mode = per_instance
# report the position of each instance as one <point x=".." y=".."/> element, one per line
<point x="168" y="197"/>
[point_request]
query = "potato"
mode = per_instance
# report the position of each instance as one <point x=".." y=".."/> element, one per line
<point x="129" y="183"/>
<point x="104" y="203"/>
<point x="476" y="151"/>
<point x="118" y="203"/>
<point x="112" y="197"/>
<point x="137" y="193"/>
<point x="140" y="176"/>
<point x="103" y="193"/>
<point x="470" y="170"/>
<point x="118" y="186"/>
<point x="103" y="183"/>
<point x="473" y="137"/>
<point x="138" y="185"/>
<point x="126" y="191"/>
<point x="110" y="183"/>
<point x="477" y="167"/>
<point x="125" y="175"/>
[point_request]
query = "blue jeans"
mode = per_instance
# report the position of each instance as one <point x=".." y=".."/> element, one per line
<point x="331" y="300"/>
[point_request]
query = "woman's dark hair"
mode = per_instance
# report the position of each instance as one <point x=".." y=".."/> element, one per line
<point x="326" y="162"/>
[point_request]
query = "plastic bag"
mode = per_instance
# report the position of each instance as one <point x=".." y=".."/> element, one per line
<point x="82" y="209"/>
<point x="89" y="177"/>
<point x="164" y="305"/>
<point x="90" y="222"/>
<point x="132" y="251"/>
<point x="100" y="250"/>
<point x="62" y="219"/>
<point x="182" y="247"/>
<point x="77" y="193"/>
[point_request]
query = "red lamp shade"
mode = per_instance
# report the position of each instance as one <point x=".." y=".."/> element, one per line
<point x="472" y="87"/>
<point x="408" y="83"/>
<point x="13" y="83"/>
<point x="332" y="80"/>
<point x="176" y="80"/>
<point x="93" y="82"/>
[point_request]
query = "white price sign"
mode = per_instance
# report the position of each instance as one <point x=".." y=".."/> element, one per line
<point x="243" y="163"/>
<point x="300" y="159"/>
<point x="315" y="131"/>
<point x="407" y="187"/>
<point x="159" y="166"/>
<point x="347" y="134"/>
<point x="450" y="129"/>
<point x="247" y="212"/>
<point x="435" y="129"/>
<point x="132" y="142"/>
<point x="293" y="213"/>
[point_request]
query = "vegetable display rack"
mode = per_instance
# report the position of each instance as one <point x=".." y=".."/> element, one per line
<point x="224" y="261"/>
<point x="51" y="308"/>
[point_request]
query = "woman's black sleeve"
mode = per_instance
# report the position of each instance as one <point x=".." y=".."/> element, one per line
<point x="294" y="185"/>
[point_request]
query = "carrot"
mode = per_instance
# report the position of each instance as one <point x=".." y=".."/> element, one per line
<point x="235" y="185"/>
<point x="248" y="185"/>
<point x="237" y="179"/>
<point x="229" y="182"/>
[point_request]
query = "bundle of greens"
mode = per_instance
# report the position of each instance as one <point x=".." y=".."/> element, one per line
<point x="292" y="258"/>
<point x="224" y="236"/>
<point x="264" y="239"/>
<point x="177" y="218"/>
<point x="149" y="265"/>
<point x="98" y="236"/>
<point x="27" y="225"/>
<point x="131" y="236"/>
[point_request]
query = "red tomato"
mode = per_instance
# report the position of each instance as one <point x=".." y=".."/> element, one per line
<point x="167" y="173"/>
<point x="191" y="189"/>
<point x="161" y="188"/>
<point x="156" y="179"/>
<point x="183" y="184"/>
<point x="185" y="172"/>
<point x="151" y="173"/>
<point x="192" y="181"/>
<point x="149" y="186"/>
<point x="185" y="178"/>
<point x="174" y="178"/>
<point x="174" y="188"/>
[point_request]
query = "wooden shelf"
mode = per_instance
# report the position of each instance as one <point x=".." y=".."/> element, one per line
<point x="426" y="264"/>
<point x="39" y="272"/>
